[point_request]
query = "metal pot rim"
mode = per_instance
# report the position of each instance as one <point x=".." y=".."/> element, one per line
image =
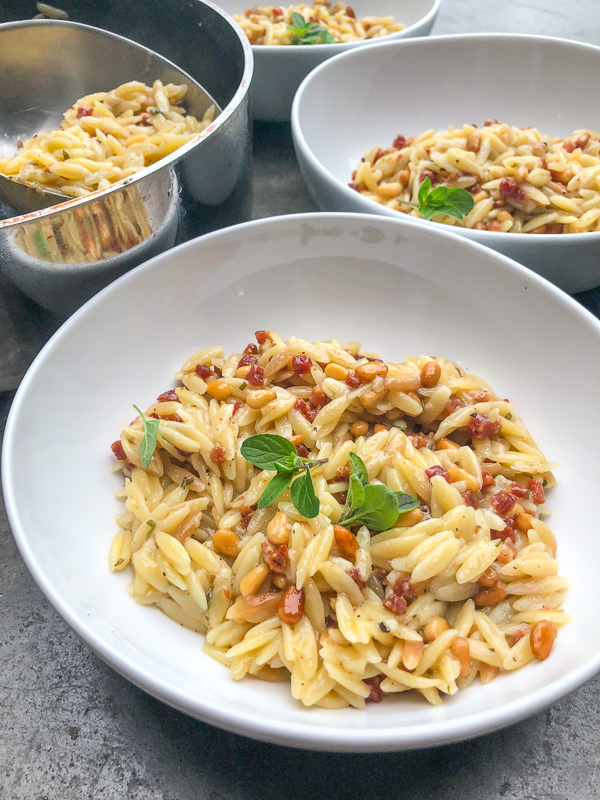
<point x="233" y="104"/>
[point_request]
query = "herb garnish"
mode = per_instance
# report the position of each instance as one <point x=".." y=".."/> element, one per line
<point x="454" y="202"/>
<point x="186" y="482"/>
<point x="308" y="32"/>
<point x="275" y="453"/>
<point x="155" y="111"/>
<point x="372" y="504"/>
<point x="148" y="445"/>
<point x="151" y="525"/>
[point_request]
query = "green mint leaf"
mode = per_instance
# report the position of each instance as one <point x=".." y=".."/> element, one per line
<point x="326" y="37"/>
<point x="297" y="20"/>
<point x="155" y="111"/>
<point x="274" y="488"/>
<point x="449" y="211"/>
<point x="460" y="199"/>
<point x="289" y="464"/>
<point x="379" y="510"/>
<point x="406" y="502"/>
<point x="358" y="468"/>
<point x="424" y="190"/>
<point x="186" y="482"/>
<point x="148" y="445"/>
<point x="265" y="449"/>
<point x="437" y="196"/>
<point x="356" y="494"/>
<point x="303" y="496"/>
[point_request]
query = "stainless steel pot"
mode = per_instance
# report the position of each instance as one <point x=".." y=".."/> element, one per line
<point x="200" y="187"/>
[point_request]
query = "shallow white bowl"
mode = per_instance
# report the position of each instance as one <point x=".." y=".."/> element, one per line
<point x="368" y="97"/>
<point x="279" y="70"/>
<point x="400" y="288"/>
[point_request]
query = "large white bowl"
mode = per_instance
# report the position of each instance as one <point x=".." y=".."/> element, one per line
<point x="368" y="97"/>
<point x="400" y="289"/>
<point x="279" y="70"/>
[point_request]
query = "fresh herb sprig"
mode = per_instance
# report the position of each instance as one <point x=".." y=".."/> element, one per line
<point x="275" y="453"/>
<point x="454" y="201"/>
<point x="372" y="504"/>
<point x="308" y="32"/>
<point x="148" y="445"/>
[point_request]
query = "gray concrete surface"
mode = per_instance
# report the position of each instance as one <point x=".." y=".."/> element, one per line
<point x="71" y="728"/>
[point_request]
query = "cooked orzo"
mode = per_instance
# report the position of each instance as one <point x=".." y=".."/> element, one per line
<point x="460" y="582"/>
<point x="273" y="25"/>
<point x="105" y="137"/>
<point x="521" y="180"/>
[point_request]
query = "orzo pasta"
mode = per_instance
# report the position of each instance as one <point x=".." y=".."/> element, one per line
<point x="463" y="585"/>
<point x="105" y="137"/>
<point x="273" y="25"/>
<point x="521" y="180"/>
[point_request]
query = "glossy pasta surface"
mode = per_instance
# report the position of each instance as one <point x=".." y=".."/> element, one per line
<point x="464" y="586"/>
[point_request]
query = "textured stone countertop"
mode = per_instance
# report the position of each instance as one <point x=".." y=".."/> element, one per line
<point x="72" y="728"/>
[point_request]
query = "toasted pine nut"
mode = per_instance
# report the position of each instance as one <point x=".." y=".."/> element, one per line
<point x="260" y="398"/>
<point x="489" y="578"/>
<point x="279" y="580"/>
<point x="389" y="190"/>
<point x="254" y="608"/>
<point x="371" y="397"/>
<point x="296" y="440"/>
<point x="524" y="521"/>
<point x="370" y="370"/>
<point x="457" y="474"/>
<point x="430" y="373"/>
<point x="508" y="552"/>
<point x="379" y="428"/>
<point x="460" y="650"/>
<point x="402" y="383"/>
<point x="359" y="428"/>
<point x="491" y="596"/>
<point x="411" y="654"/>
<point x="434" y="627"/>
<point x="446" y="444"/>
<point x="336" y="372"/>
<point x="291" y="606"/>
<point x="220" y="390"/>
<point x="346" y="541"/>
<point x="278" y="529"/>
<point x="226" y="542"/>
<point x="480" y="195"/>
<point x="242" y="372"/>
<point x="487" y="673"/>
<point x="251" y="582"/>
<point x="412" y="518"/>
<point x="542" y="638"/>
<point x="473" y="142"/>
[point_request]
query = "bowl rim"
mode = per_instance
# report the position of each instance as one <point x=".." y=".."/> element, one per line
<point x="253" y="724"/>
<point x="300" y="143"/>
<point x="330" y="50"/>
<point x="240" y="92"/>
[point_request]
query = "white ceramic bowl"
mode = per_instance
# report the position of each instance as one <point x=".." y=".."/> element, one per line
<point x="279" y="70"/>
<point x="368" y="97"/>
<point x="400" y="288"/>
